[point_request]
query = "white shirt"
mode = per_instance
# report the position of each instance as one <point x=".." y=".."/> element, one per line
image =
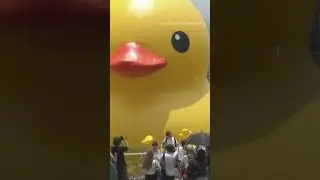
<point x="185" y="161"/>
<point x="169" y="140"/>
<point x="157" y="155"/>
<point x="170" y="163"/>
<point x="153" y="168"/>
<point x="181" y="153"/>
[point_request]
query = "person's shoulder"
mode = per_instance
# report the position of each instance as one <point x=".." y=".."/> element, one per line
<point x="168" y="155"/>
<point x="175" y="138"/>
<point x="175" y="153"/>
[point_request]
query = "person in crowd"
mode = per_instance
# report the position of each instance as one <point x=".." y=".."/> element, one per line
<point x="208" y="160"/>
<point x="201" y="164"/>
<point x="169" y="139"/>
<point x="181" y="150"/>
<point x="150" y="166"/>
<point x="113" y="170"/>
<point x="188" y="158"/>
<point x="117" y="150"/>
<point x="184" y="144"/>
<point x="169" y="162"/>
<point x="156" y="151"/>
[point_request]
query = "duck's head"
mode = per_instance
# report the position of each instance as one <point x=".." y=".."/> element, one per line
<point x="157" y="45"/>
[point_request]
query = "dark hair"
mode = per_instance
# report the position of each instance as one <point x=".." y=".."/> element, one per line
<point x="155" y="143"/>
<point x="201" y="156"/>
<point x="116" y="141"/>
<point x="168" y="133"/>
<point x="170" y="148"/>
<point x="183" y="142"/>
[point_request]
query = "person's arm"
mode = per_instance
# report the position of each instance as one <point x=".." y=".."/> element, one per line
<point x="157" y="165"/>
<point x="112" y="157"/>
<point x="185" y="162"/>
<point x="163" y="142"/>
<point x="124" y="147"/>
<point x="176" y="142"/>
<point x="180" y="154"/>
<point x="125" y="142"/>
<point x="176" y="154"/>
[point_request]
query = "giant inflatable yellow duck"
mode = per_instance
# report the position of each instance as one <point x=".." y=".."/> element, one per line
<point x="158" y="66"/>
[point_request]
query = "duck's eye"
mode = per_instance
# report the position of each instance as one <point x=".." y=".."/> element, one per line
<point x="180" y="41"/>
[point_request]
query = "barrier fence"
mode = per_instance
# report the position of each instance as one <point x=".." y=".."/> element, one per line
<point x="134" y="164"/>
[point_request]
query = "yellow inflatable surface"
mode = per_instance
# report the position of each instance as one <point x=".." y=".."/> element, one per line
<point x="159" y="60"/>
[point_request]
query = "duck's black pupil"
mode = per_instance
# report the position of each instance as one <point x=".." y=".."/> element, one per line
<point x="180" y="41"/>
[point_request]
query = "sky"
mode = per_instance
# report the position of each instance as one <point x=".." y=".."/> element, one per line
<point x="204" y="8"/>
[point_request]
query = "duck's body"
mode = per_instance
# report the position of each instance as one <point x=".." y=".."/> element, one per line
<point x="195" y="117"/>
<point x="141" y="116"/>
<point x="159" y="65"/>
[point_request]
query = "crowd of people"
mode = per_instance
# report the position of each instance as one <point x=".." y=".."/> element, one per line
<point x="168" y="161"/>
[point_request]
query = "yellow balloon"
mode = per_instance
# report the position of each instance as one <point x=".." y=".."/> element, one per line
<point x="147" y="140"/>
<point x="185" y="130"/>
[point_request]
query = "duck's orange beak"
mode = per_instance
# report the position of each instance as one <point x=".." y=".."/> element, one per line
<point x="132" y="60"/>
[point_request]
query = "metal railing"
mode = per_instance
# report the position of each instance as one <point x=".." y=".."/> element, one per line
<point x="135" y="154"/>
<point x="134" y="164"/>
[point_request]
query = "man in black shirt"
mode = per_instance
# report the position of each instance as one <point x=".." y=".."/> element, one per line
<point x="118" y="152"/>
